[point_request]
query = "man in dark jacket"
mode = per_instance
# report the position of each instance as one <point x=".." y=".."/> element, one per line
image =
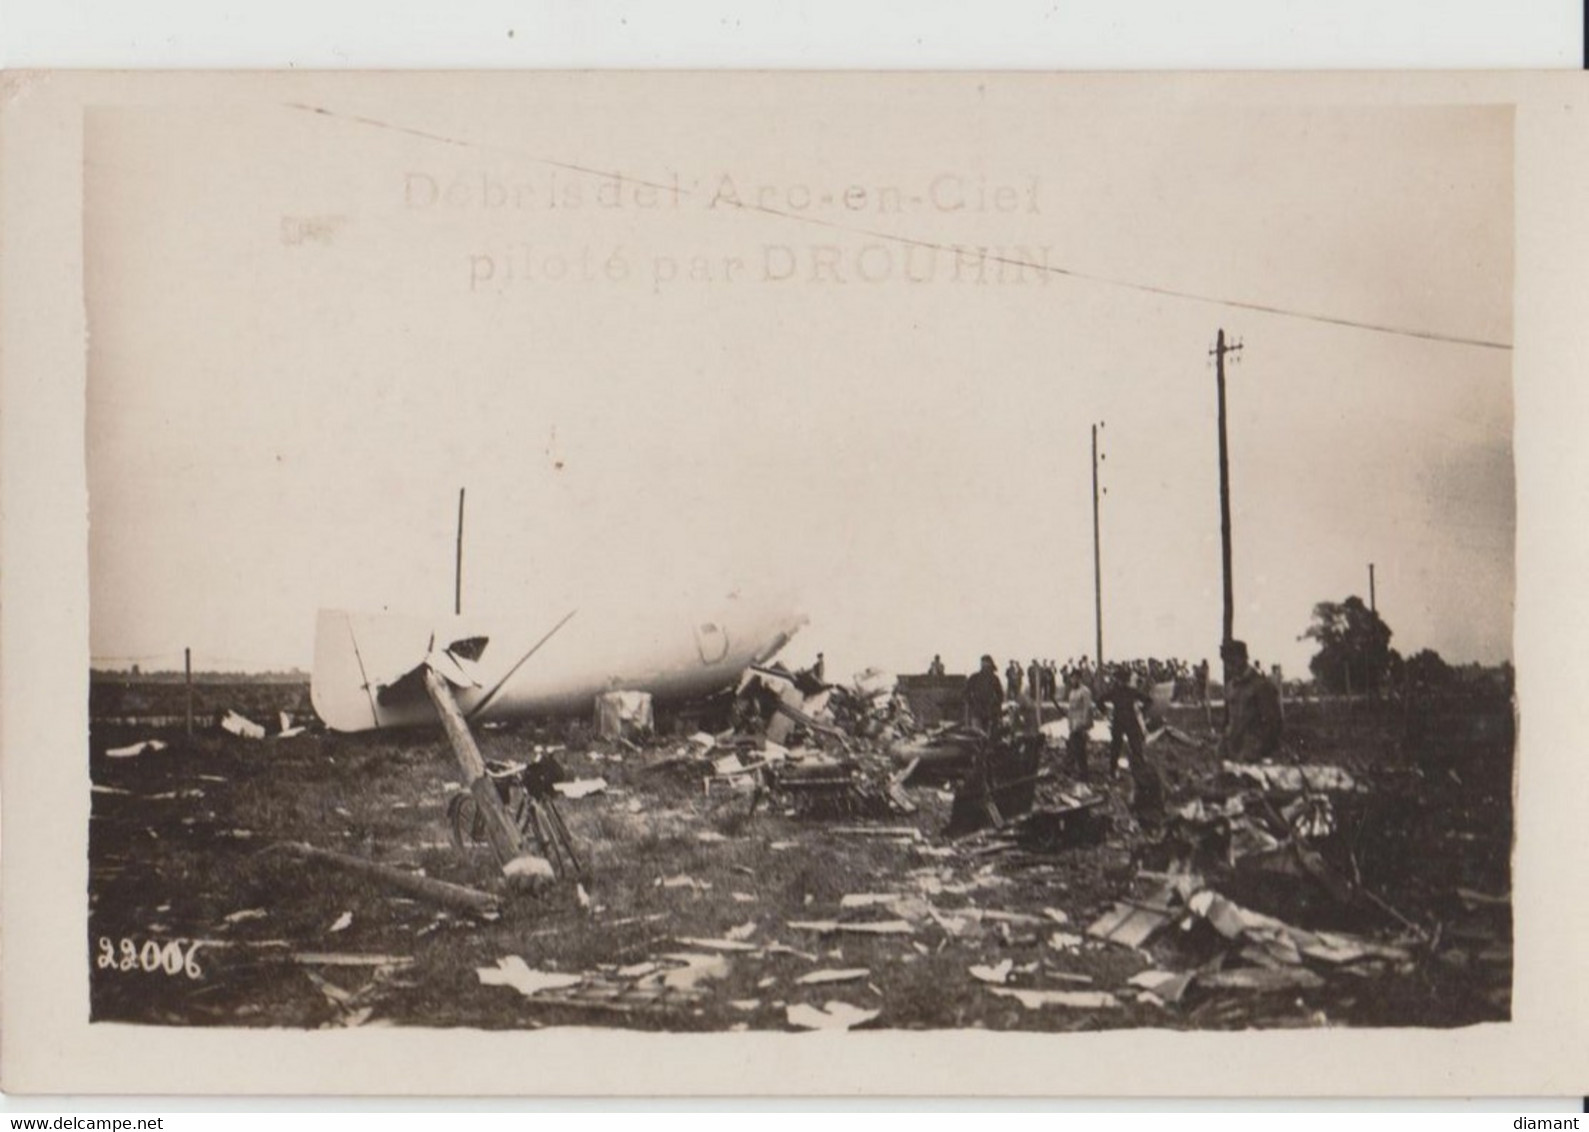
<point x="985" y="696"/>
<point x="1125" y="729"/>
<point x="1012" y="679"/>
<point x="1253" y="723"/>
<point x="1125" y="726"/>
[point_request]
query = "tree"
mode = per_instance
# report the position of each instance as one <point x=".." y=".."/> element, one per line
<point x="1354" y="646"/>
<point x="1427" y="669"/>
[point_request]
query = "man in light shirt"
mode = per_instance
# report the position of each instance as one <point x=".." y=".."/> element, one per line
<point x="1079" y="711"/>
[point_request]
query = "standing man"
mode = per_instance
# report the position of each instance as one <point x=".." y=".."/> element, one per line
<point x="1253" y="723"/>
<point x="1078" y="708"/>
<point x="1125" y="726"/>
<point x="1123" y="699"/>
<point x="985" y="696"/>
<point x="1012" y="676"/>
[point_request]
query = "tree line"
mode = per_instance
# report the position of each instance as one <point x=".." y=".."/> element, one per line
<point x="1355" y="655"/>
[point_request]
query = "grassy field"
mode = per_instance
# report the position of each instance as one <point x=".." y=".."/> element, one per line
<point x="180" y="852"/>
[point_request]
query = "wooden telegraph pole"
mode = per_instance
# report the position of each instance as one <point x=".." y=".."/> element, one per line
<point x="187" y="679"/>
<point x="1373" y="602"/>
<point x="1219" y="351"/>
<point x="457" y="567"/>
<point x="1097" y="556"/>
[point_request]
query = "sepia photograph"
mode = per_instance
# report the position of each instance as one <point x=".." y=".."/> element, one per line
<point x="790" y="557"/>
<point x="791" y="584"/>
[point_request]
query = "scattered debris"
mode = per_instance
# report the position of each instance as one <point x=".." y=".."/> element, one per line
<point x="1293" y="778"/>
<point x="241" y="726"/>
<point x="1259" y="979"/>
<point x="997" y="916"/>
<point x="952" y="925"/>
<point x="345" y="959"/>
<point x="832" y="1016"/>
<point x="1076" y="820"/>
<point x="695" y="970"/>
<point x="512" y="971"/>
<point x="529" y="870"/>
<point x="900" y="832"/>
<point x="783" y="949"/>
<point x="866" y="927"/>
<point x="717" y="944"/>
<point x="624" y="715"/>
<point x="336" y="994"/>
<point x="868" y="899"/>
<point x="1167" y="986"/>
<point x="1216" y="881"/>
<point x="1483" y="899"/>
<point x="134" y="749"/>
<point x="1278" y="942"/>
<point x="580" y="788"/>
<point x="448" y="895"/>
<point x="1132" y="923"/>
<point x="999" y="784"/>
<point x="1076" y="1000"/>
<point x="839" y="975"/>
<point x="998" y="974"/>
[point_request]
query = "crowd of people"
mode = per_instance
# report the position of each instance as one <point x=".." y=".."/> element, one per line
<point x="1122" y="693"/>
<point x="1044" y="680"/>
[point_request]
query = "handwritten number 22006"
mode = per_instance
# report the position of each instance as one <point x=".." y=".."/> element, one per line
<point x="179" y="957"/>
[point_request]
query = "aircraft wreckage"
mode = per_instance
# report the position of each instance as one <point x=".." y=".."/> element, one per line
<point x="369" y="668"/>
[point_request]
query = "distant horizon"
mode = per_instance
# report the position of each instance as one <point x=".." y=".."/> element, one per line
<point x="100" y="669"/>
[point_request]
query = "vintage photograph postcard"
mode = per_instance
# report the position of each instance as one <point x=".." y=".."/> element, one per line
<point x="617" y="583"/>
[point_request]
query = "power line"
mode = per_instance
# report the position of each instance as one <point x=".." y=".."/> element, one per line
<point x="931" y="245"/>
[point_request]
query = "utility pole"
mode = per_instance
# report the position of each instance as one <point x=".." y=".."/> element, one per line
<point x="1097" y="556"/>
<point x="457" y="572"/>
<point x="187" y="679"/>
<point x="1373" y="604"/>
<point x="1219" y="351"/>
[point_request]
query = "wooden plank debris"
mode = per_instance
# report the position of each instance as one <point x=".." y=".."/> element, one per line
<point x="866" y="927"/>
<point x="349" y="959"/>
<point x="448" y="895"/>
<point x="1077" y="1000"/>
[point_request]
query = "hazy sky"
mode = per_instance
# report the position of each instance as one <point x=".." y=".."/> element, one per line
<point x="308" y="331"/>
